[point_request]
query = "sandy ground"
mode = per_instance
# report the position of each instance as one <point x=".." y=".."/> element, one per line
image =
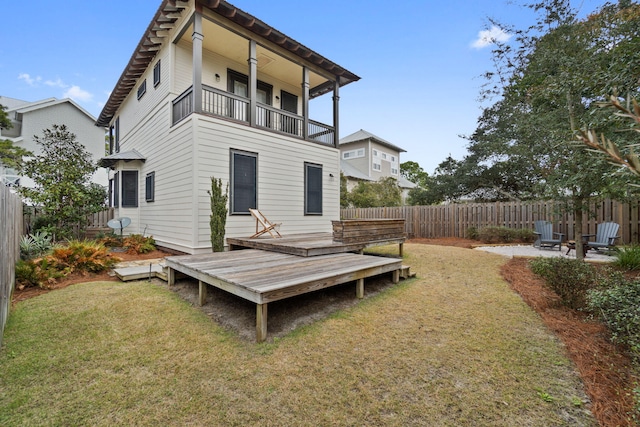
<point x="530" y="251"/>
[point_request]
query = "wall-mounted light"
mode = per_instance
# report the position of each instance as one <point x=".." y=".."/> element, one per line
<point x="277" y="98"/>
<point x="331" y="175"/>
<point x="217" y="77"/>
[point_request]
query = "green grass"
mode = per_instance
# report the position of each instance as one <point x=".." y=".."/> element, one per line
<point x="453" y="347"/>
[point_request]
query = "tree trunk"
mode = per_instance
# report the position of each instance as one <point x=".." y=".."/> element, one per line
<point x="577" y="227"/>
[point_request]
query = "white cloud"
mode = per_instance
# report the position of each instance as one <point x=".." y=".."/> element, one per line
<point x="490" y="36"/>
<point x="56" y="83"/>
<point x="78" y="94"/>
<point x="31" y="81"/>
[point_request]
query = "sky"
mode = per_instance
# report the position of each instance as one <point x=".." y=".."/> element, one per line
<point x="420" y="61"/>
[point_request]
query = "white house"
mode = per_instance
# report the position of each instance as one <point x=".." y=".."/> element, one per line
<point x="29" y="119"/>
<point x="212" y="91"/>
<point x="367" y="157"/>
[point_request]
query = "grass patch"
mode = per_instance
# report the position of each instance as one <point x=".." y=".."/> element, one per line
<point x="454" y="347"/>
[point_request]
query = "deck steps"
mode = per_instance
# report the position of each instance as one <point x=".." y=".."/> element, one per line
<point x="405" y="272"/>
<point x="141" y="271"/>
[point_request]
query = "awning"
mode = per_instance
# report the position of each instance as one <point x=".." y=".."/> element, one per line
<point x="125" y="156"/>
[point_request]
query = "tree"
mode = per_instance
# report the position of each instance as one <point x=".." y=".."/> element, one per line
<point x="414" y="173"/>
<point x="376" y="194"/>
<point x="548" y="84"/>
<point x="218" y="217"/>
<point x="10" y="155"/>
<point x="61" y="173"/>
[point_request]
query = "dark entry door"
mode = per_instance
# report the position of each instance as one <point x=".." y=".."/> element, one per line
<point x="289" y="102"/>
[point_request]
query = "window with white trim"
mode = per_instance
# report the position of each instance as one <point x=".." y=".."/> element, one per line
<point x="156" y="74"/>
<point x="142" y="89"/>
<point x="150" y="187"/>
<point x="377" y="167"/>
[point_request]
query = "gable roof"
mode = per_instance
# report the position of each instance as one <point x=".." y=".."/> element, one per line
<point x="164" y="20"/>
<point x="363" y="135"/>
<point x="23" y="107"/>
<point x="351" y="172"/>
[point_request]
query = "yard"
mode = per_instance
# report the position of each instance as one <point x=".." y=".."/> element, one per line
<point x="453" y="347"/>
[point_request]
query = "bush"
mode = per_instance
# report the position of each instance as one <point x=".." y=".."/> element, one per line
<point x="628" y="258"/>
<point x="617" y="304"/>
<point x="138" y="244"/>
<point x="501" y="234"/>
<point x="75" y="256"/>
<point x="110" y="240"/>
<point x="569" y="278"/>
<point x="34" y="245"/>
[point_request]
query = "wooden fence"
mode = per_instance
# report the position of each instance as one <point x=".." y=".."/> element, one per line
<point x="96" y="223"/>
<point x="10" y="233"/>
<point x="454" y="220"/>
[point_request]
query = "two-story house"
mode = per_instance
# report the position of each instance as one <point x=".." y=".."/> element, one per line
<point x="29" y="119"/>
<point x="367" y="157"/>
<point x="212" y="91"/>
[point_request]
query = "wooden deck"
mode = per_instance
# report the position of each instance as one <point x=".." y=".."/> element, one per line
<point x="265" y="276"/>
<point x="307" y="245"/>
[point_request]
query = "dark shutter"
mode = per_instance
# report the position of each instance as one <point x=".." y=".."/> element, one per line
<point x="116" y="190"/>
<point x="150" y="187"/>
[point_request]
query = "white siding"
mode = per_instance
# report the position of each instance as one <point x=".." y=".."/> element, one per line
<point x="77" y="122"/>
<point x="280" y="177"/>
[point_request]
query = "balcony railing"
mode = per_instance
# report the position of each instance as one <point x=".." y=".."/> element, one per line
<point x="224" y="104"/>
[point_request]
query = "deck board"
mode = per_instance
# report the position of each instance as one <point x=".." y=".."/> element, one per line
<point x="307" y="245"/>
<point x="263" y="276"/>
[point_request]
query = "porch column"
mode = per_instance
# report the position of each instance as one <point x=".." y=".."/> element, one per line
<point x="253" y="82"/>
<point x="336" y="111"/>
<point x="305" y="103"/>
<point x="197" y="37"/>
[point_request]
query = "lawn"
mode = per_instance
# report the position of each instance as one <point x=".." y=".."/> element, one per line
<point x="453" y="347"/>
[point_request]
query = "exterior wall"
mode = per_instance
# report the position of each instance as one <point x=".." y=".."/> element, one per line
<point x="87" y="133"/>
<point x="280" y="178"/>
<point x="385" y="164"/>
<point x="363" y="164"/>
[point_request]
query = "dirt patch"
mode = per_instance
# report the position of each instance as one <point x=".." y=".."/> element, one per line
<point x="239" y="315"/>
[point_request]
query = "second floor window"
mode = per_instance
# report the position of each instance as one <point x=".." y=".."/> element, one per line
<point x="142" y="89"/>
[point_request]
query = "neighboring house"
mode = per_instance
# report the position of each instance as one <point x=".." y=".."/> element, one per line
<point x="367" y="157"/>
<point x="212" y="91"/>
<point x="30" y="119"/>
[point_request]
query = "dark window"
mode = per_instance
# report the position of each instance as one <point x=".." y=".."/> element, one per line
<point x="150" y="187"/>
<point x="142" y="89"/>
<point x="238" y="84"/>
<point x="244" y="188"/>
<point x="116" y="190"/>
<point x="129" y="189"/>
<point x="156" y="74"/>
<point x="289" y="102"/>
<point x="110" y="140"/>
<point x="117" y="131"/>
<point x="312" y="189"/>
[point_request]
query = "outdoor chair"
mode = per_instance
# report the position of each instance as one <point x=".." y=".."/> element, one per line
<point x="263" y="225"/>
<point x="605" y="237"/>
<point x="546" y="237"/>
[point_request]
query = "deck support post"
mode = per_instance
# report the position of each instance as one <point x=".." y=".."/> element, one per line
<point x="171" y="276"/>
<point x="401" y="249"/>
<point x="360" y="288"/>
<point x="202" y="293"/>
<point x="396" y="276"/>
<point x="261" y="322"/>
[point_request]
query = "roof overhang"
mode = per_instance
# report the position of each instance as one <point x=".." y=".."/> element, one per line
<point x="164" y="20"/>
<point x="125" y="156"/>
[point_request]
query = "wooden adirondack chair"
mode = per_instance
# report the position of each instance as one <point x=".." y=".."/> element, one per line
<point x="605" y="237"/>
<point x="546" y="237"/>
<point x="267" y="226"/>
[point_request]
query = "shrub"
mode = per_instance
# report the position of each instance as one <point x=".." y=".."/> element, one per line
<point x="76" y="255"/>
<point x="501" y="234"/>
<point x="110" y="240"/>
<point x="628" y="257"/>
<point x="34" y="245"/>
<point x="472" y="232"/>
<point x="138" y="244"/>
<point x="617" y="303"/>
<point x="569" y="278"/>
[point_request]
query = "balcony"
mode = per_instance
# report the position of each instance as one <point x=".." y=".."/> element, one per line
<point x="219" y="103"/>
